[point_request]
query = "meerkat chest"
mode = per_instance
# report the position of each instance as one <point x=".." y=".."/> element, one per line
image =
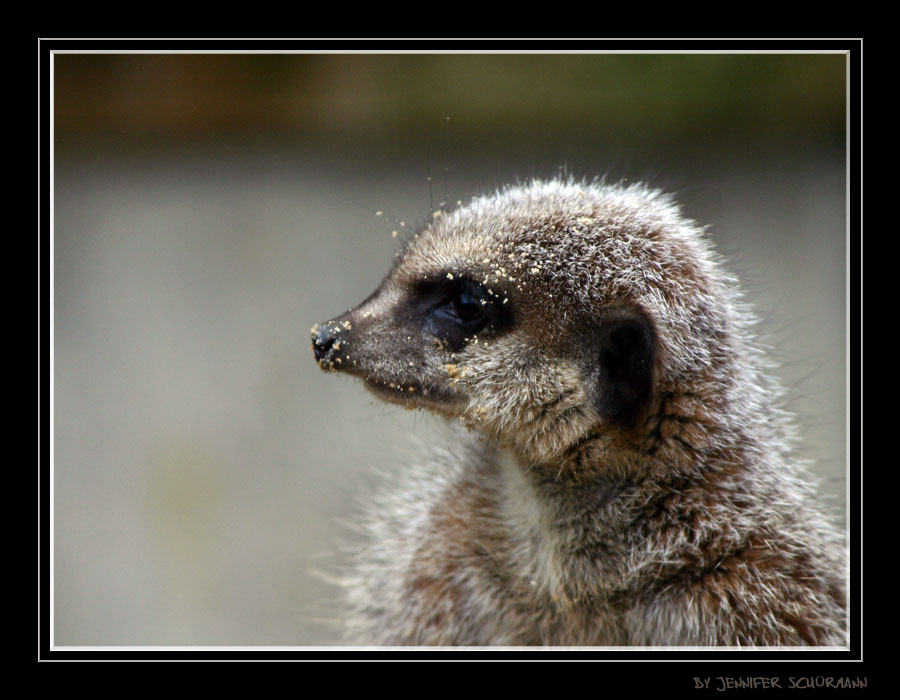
<point x="523" y="579"/>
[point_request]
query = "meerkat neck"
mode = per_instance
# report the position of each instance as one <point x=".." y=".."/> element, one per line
<point x="609" y="486"/>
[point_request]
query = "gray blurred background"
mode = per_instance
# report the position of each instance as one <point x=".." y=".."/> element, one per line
<point x="209" y="209"/>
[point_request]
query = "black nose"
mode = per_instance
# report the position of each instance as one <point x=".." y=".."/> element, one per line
<point x="322" y="343"/>
<point x="325" y="341"/>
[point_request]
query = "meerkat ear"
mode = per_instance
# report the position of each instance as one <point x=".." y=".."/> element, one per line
<point x="627" y="347"/>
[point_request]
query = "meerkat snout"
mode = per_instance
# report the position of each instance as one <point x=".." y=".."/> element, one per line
<point x="323" y="340"/>
<point x="629" y="476"/>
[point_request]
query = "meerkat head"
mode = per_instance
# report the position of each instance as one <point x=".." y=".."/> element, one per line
<point x="539" y="315"/>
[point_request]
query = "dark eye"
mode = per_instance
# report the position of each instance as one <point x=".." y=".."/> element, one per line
<point x="467" y="307"/>
<point x="462" y="308"/>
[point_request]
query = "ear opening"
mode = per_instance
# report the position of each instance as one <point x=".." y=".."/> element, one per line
<point x="627" y="349"/>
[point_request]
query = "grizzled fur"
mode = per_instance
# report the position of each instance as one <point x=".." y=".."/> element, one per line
<point x="630" y="480"/>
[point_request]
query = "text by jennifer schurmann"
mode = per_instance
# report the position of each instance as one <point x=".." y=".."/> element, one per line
<point x="767" y="682"/>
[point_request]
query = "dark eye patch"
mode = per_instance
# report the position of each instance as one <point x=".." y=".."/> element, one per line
<point x="454" y="309"/>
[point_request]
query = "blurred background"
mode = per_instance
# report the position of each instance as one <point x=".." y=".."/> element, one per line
<point x="209" y="209"/>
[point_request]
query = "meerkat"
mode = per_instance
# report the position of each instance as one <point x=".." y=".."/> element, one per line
<point x="625" y="475"/>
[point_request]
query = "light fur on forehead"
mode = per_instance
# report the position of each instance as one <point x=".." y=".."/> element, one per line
<point x="589" y="245"/>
